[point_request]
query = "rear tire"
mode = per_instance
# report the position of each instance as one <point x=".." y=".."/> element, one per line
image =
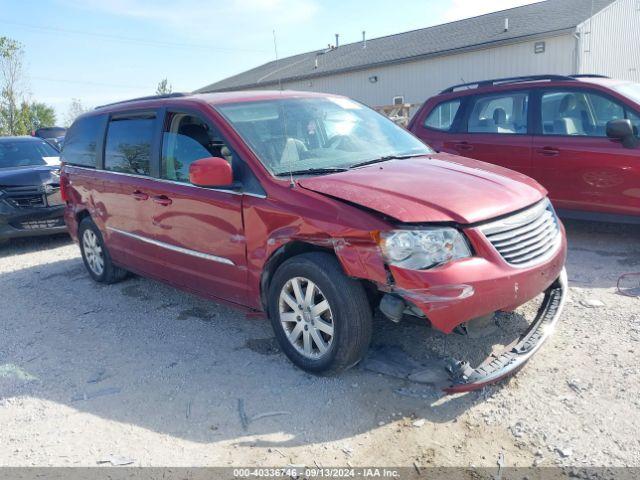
<point x="95" y="255"/>
<point x="332" y="330"/>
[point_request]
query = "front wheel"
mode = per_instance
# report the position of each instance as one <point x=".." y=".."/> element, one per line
<point x="321" y="317"/>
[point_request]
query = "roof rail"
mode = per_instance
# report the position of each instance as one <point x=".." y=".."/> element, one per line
<point x="150" y="97"/>
<point x="498" y="81"/>
<point x="589" y="75"/>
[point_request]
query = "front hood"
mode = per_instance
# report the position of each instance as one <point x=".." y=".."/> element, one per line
<point x="28" y="176"/>
<point x="440" y="188"/>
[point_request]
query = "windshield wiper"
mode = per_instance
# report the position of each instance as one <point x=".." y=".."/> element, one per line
<point x="386" y="159"/>
<point x="312" y="171"/>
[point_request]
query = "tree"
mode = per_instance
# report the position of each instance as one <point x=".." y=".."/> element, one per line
<point x="12" y="80"/>
<point x="75" y="110"/>
<point x="35" y="115"/>
<point x="164" y="88"/>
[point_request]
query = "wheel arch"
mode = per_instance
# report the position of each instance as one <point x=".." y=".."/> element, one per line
<point x="81" y="215"/>
<point x="293" y="249"/>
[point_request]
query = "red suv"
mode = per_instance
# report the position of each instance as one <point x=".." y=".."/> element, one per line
<point x="577" y="136"/>
<point x="314" y="210"/>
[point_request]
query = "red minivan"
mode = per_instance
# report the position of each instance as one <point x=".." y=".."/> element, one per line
<point x="315" y="210"/>
<point x="577" y="136"/>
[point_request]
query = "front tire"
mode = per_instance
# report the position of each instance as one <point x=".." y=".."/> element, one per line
<point x="321" y="318"/>
<point x="95" y="255"/>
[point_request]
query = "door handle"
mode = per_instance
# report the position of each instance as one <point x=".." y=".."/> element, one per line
<point x="466" y="146"/>
<point x="162" y="200"/>
<point x="138" y="195"/>
<point x="549" y="151"/>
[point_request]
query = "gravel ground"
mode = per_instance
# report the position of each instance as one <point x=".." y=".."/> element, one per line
<point x="139" y="372"/>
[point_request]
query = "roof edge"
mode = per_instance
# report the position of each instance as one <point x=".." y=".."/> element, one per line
<point x="441" y="53"/>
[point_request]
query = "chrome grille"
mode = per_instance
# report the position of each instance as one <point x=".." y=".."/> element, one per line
<point x="526" y="238"/>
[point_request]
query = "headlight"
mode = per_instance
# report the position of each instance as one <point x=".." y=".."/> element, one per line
<point x="423" y="249"/>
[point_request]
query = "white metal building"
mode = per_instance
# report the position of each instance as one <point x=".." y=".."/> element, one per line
<point x="550" y="37"/>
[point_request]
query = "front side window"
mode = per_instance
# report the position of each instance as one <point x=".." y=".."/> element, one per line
<point x="635" y="121"/>
<point x="303" y="134"/>
<point x="578" y="113"/>
<point x="80" y="142"/>
<point x="128" y="148"/>
<point x="188" y="138"/>
<point x="442" y="117"/>
<point x="502" y="114"/>
<point x="27" y="153"/>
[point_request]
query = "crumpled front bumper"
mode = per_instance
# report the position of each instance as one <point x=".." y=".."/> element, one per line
<point x="29" y="222"/>
<point x="465" y="378"/>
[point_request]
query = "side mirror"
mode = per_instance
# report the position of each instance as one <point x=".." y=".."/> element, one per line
<point x="622" y="130"/>
<point x="211" y="172"/>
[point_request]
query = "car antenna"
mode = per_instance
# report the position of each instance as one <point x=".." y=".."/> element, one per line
<point x="292" y="182"/>
<point x="275" y="48"/>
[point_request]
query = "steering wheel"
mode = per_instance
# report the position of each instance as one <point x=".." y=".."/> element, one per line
<point x="339" y="142"/>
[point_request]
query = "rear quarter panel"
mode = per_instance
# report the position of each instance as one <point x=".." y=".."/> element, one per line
<point x="80" y="186"/>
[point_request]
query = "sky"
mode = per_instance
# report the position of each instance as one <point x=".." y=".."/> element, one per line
<point x="100" y="51"/>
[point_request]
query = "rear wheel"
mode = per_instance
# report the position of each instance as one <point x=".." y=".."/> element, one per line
<point x="95" y="255"/>
<point x="321" y="317"/>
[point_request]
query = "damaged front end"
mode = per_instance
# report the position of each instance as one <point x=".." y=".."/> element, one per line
<point x="464" y="378"/>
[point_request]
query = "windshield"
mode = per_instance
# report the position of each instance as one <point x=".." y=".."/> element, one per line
<point x="29" y="153"/>
<point x="629" y="90"/>
<point x="316" y="134"/>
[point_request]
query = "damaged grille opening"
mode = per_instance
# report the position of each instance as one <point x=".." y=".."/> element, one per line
<point x="25" y="197"/>
<point x="526" y="238"/>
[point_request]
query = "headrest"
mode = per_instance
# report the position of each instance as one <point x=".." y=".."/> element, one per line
<point x="568" y="103"/>
<point x="499" y="116"/>
<point x="197" y="132"/>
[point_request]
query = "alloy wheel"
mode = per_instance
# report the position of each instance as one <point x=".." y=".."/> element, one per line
<point x="93" y="252"/>
<point x="306" y="317"/>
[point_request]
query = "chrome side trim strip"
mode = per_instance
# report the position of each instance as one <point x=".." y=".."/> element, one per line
<point x="173" y="182"/>
<point x="185" y="251"/>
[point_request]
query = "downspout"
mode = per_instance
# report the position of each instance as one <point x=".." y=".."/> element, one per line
<point x="578" y="52"/>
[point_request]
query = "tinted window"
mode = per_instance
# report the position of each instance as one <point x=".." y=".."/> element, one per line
<point x="504" y="114"/>
<point x="50" y="132"/>
<point x="186" y="139"/>
<point x="81" y="140"/>
<point x="441" y="117"/>
<point x="578" y="113"/>
<point x="27" y="153"/>
<point x="128" y="148"/>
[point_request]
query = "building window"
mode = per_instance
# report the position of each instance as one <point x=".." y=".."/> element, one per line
<point x="399" y="100"/>
<point x="540" y="47"/>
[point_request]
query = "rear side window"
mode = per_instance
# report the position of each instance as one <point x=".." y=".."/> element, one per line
<point x="442" y="117"/>
<point x="502" y="114"/>
<point x="128" y="148"/>
<point x="81" y="141"/>
<point x="50" y="132"/>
